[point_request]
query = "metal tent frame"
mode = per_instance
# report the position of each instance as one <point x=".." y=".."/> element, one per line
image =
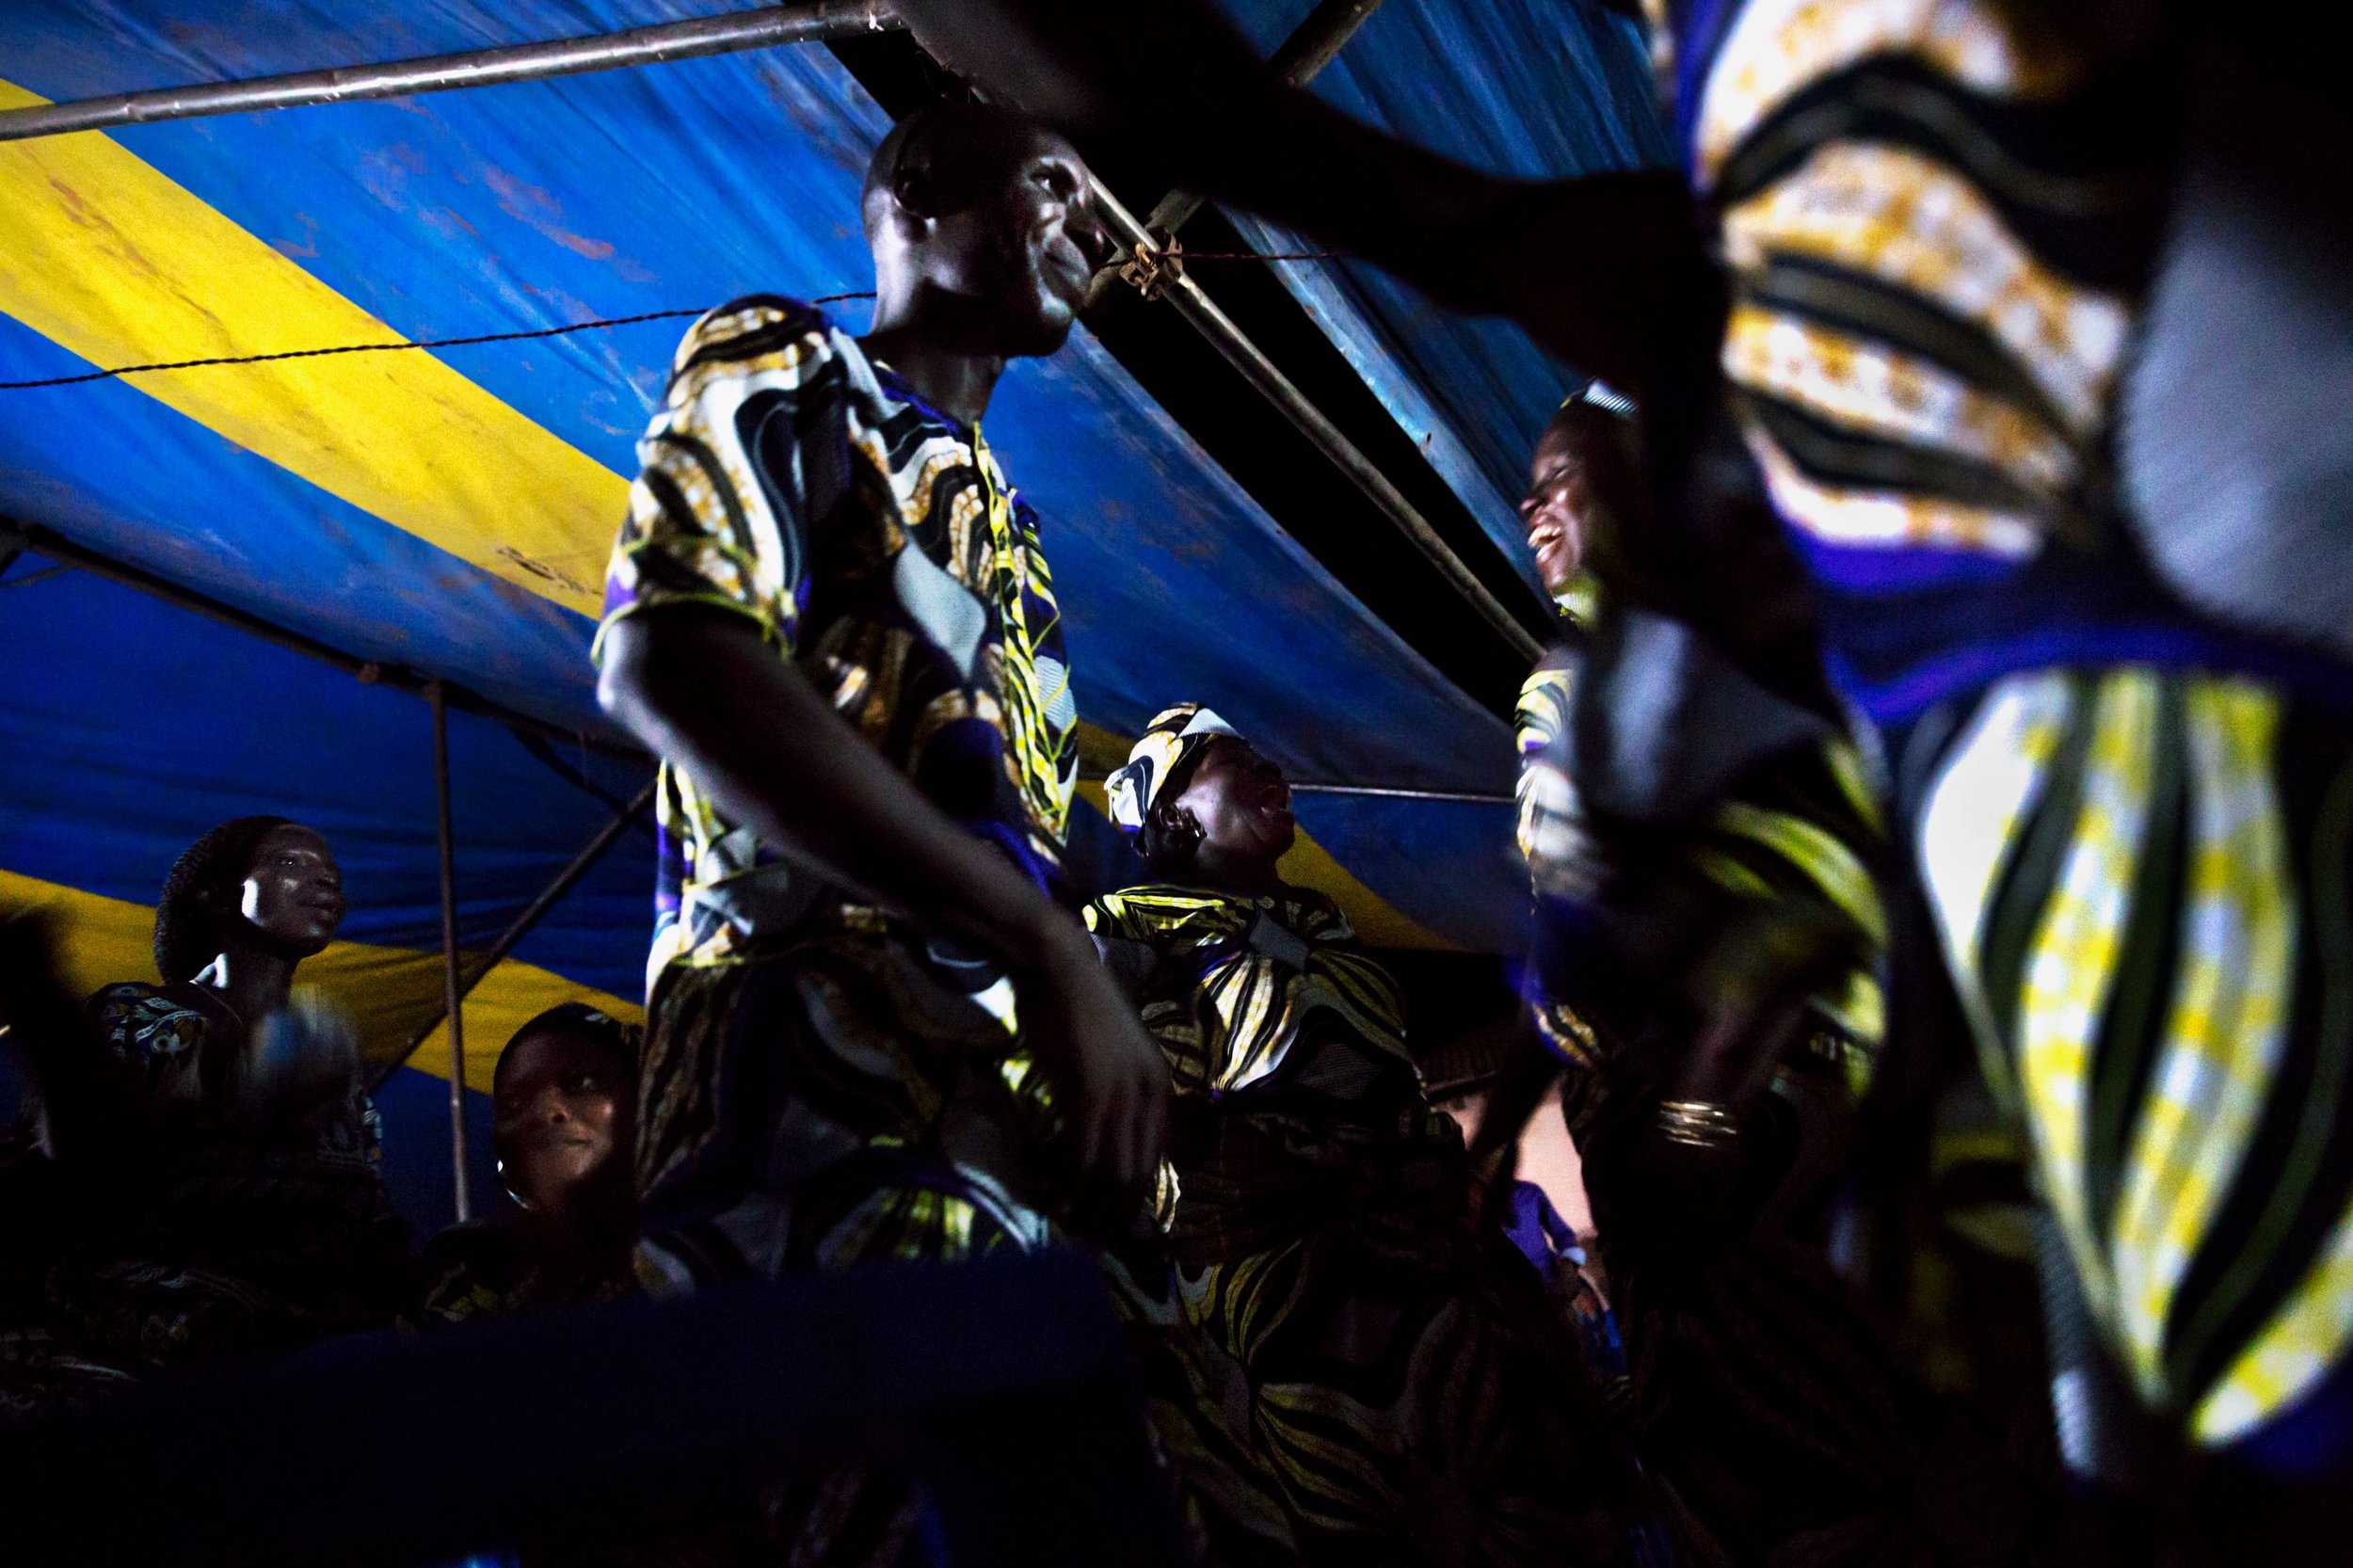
<point x="1311" y="46"/>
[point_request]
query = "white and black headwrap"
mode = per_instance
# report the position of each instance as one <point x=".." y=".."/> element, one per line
<point x="1160" y="753"/>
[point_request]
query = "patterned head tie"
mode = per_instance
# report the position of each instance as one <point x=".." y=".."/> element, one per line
<point x="1170" y="741"/>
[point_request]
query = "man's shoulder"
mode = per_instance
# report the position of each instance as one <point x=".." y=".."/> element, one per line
<point x="756" y="326"/>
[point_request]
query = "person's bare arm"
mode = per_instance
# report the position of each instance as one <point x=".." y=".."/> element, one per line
<point x="702" y="688"/>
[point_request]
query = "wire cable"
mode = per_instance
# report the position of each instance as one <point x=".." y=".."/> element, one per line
<point x="377" y="347"/>
<point x="116" y="372"/>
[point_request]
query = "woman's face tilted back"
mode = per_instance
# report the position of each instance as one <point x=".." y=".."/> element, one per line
<point x="1243" y="804"/>
<point x="1557" y="513"/>
<point x="293" y="891"/>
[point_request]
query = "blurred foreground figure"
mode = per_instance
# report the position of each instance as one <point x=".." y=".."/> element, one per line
<point x="206" y="1190"/>
<point x="1714" y="1033"/>
<point x="873" y="1034"/>
<point x="1939" y="221"/>
<point x="1417" y="1395"/>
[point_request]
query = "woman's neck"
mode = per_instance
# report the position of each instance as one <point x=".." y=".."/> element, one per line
<point x="586" y="1241"/>
<point x="1251" y="878"/>
<point x="254" y="984"/>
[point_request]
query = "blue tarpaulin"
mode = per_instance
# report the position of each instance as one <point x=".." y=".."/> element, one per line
<point x="448" y="510"/>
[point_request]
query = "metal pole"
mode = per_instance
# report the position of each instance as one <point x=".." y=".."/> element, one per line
<point x="1279" y="389"/>
<point x="451" y="991"/>
<point x="1382" y="792"/>
<point x="1468" y="797"/>
<point x="565" y="880"/>
<point x="1310" y="47"/>
<point x="809" y="21"/>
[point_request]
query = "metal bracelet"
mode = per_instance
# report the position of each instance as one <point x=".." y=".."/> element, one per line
<point x="1697" y="1124"/>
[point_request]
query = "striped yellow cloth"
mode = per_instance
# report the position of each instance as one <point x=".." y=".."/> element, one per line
<point x="1804" y="829"/>
<point x="2140" y="877"/>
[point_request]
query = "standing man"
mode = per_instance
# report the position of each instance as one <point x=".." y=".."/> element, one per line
<point x="873" y="1034"/>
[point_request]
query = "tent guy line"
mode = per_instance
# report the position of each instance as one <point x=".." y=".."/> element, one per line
<point x="118" y="371"/>
<point x="114" y="372"/>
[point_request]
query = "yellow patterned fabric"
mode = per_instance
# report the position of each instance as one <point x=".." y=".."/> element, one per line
<point x="1991" y="473"/>
<point x="790" y="480"/>
<point x="1807" y="829"/>
<point x="1918" y="371"/>
<point x="2142" y="880"/>
<point x="1780" y="48"/>
<point x="1296" y="1100"/>
<point x="804" y="1056"/>
<point x="1544" y="795"/>
<point x="1392" y="1365"/>
<point x="1937" y="232"/>
<point x="1254" y="972"/>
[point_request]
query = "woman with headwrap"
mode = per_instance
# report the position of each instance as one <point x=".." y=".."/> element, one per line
<point x="1398" y="1363"/>
<point x="1800" y="836"/>
<point x="214" y="1194"/>
<point x="1711" y="1063"/>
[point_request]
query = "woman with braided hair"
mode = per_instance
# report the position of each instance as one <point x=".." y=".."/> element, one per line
<point x="214" y="1193"/>
<point x="225" y="1036"/>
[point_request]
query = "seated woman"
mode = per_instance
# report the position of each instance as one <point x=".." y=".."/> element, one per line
<point x="1403" y="1375"/>
<point x="225" y="1040"/>
<point x="214" y="1194"/>
<point x="565" y="1096"/>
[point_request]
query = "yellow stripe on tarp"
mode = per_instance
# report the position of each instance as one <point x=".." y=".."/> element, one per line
<point x="1310" y="865"/>
<point x="389" y="992"/>
<point x="117" y="262"/>
<point x="108" y="258"/>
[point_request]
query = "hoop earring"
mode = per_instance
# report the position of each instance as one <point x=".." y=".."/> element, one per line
<point x="498" y="1167"/>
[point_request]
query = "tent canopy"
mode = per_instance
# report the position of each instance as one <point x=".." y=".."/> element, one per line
<point x="448" y="510"/>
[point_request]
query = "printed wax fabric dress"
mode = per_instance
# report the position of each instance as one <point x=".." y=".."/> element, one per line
<point x="1396" y="1364"/>
<point x="484" y="1267"/>
<point x="1806" y="826"/>
<point x="823" y="1087"/>
<point x="190" y="1244"/>
<point x="2129" y="819"/>
<point x="1758" y="1391"/>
